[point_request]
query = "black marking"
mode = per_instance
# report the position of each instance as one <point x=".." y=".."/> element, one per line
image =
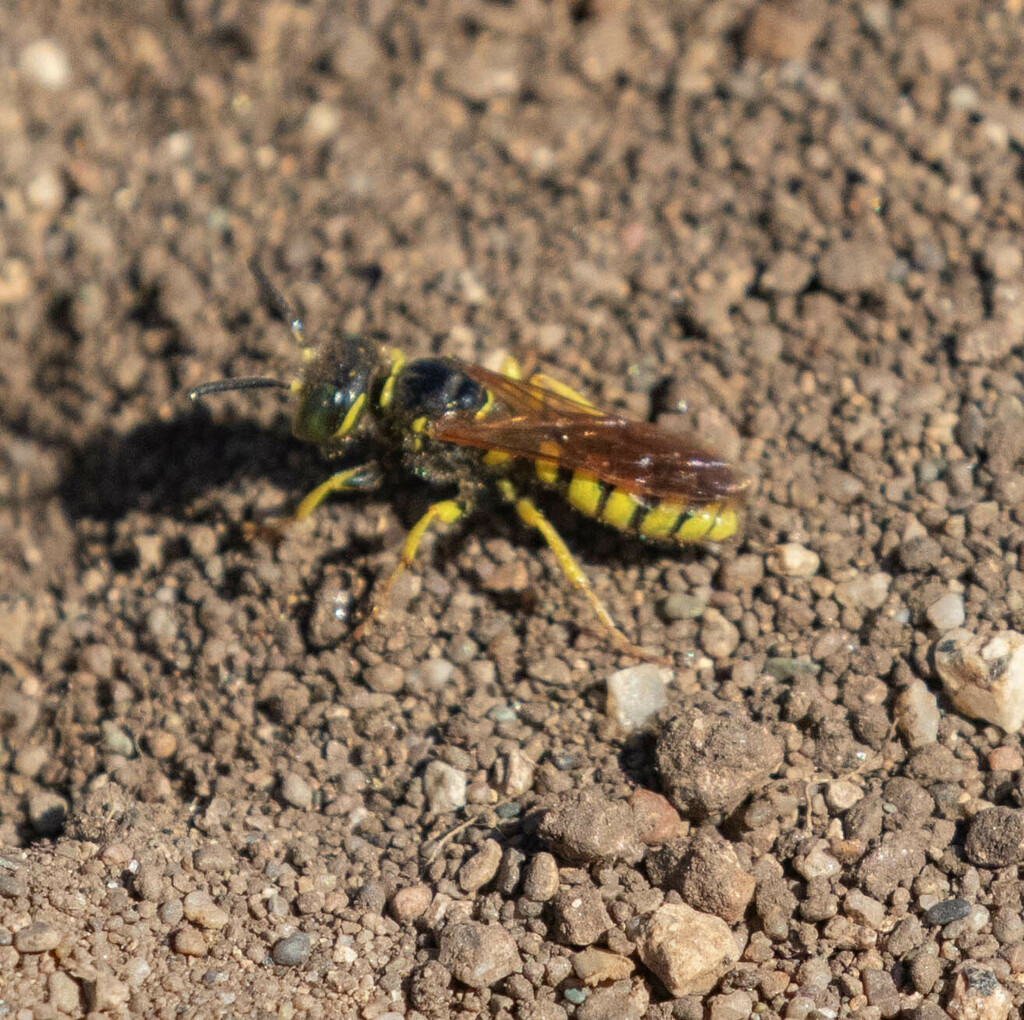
<point x="434" y="387"/>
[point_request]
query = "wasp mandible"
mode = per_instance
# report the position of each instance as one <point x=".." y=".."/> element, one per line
<point x="481" y="433"/>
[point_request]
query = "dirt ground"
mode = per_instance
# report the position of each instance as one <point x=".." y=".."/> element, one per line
<point x="794" y="228"/>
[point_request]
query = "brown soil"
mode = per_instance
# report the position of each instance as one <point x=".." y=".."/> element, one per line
<point x="801" y="220"/>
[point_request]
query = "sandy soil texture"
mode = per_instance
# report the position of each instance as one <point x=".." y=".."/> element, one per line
<point x="794" y="228"/>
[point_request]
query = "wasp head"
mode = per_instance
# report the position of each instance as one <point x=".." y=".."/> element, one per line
<point x="332" y="397"/>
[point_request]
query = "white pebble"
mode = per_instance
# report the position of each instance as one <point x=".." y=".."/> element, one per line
<point x="636" y="694"/>
<point x="791" y="559"/>
<point x="688" y="950"/>
<point x="46" y="191"/>
<point x="46" y="63"/>
<point x="947" y="613"/>
<point x="445" y="787"/>
<point x="917" y="714"/>
<point x="984" y="677"/>
<point x="817" y="863"/>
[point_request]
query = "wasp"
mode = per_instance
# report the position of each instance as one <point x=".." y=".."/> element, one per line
<point x="483" y="433"/>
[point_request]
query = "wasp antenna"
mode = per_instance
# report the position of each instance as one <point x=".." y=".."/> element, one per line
<point x="256" y="382"/>
<point x="277" y="301"/>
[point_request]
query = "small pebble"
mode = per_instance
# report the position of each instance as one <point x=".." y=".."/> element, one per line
<point x="946" y="912"/>
<point x="161" y="626"/>
<point x="711" y="763"/>
<point x="481" y="867"/>
<point x="790" y="559"/>
<point x="636" y="695"/>
<point x="682" y="607"/>
<point x="296" y="791"/>
<point x="864" y="910"/>
<point x="595" y="966"/>
<point x="214" y="857"/>
<point x="291" y="951"/>
<point x="46" y="63"/>
<point x="29" y="760"/>
<point x="854" y="266"/>
<point x="1005" y="759"/>
<point x="63" y="993"/>
<point x="161" y="744"/>
<point x="916" y="713"/>
<point x="657" y="821"/>
<point x="995" y="838"/>
<point x="978" y="995"/>
<point x="384" y="678"/>
<point x="540" y="882"/>
<point x="189" y="941"/>
<point x="741" y="574"/>
<point x="514" y="774"/>
<point x="581" y="917"/>
<point x="687" y="950"/>
<point x="38" y="937"/>
<point x="116" y="740"/>
<point x="841" y="794"/>
<point x="445" y="787"/>
<point x="201" y="910"/>
<point x="718" y="636"/>
<point x="817" y="863"/>
<point x="586" y="826"/>
<point x="783" y="668"/>
<point x="411" y="902"/>
<point x="478" y="955"/>
<point x="47" y="813"/>
<point x="984" y="676"/>
<point x="947" y="612"/>
<point x="106" y="994"/>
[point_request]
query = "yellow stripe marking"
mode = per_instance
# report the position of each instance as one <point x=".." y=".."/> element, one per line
<point x="388" y="392"/>
<point x="619" y="509"/>
<point x="585" y="493"/>
<point x="353" y="416"/>
<point x="659" y="521"/>
<point x="725" y="526"/>
<point x="495" y="458"/>
<point x="697" y="524"/>
<point x="547" y="470"/>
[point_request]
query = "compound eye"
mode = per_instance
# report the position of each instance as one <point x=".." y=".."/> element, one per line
<point x="320" y="414"/>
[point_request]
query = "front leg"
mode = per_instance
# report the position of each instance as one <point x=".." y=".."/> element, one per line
<point x="358" y="479"/>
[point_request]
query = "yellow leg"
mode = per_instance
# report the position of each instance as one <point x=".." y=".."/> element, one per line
<point x="545" y="382"/>
<point x="363" y="477"/>
<point x="447" y="511"/>
<point x="511" y="368"/>
<point x="531" y="516"/>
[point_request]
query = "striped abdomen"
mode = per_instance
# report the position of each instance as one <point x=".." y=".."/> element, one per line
<point x="659" y="520"/>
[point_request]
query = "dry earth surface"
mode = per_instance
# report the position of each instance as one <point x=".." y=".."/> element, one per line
<point x="793" y="227"/>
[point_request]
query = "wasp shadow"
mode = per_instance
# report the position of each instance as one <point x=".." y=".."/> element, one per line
<point x="162" y="467"/>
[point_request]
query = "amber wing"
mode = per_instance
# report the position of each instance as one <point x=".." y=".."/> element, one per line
<point x="534" y="423"/>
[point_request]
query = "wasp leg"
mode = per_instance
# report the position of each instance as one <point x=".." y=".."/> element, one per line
<point x="357" y="479"/>
<point x="361" y="478"/>
<point x="532" y="517"/>
<point x="447" y="511"/>
<point x="510" y="368"/>
<point x="545" y="382"/>
<point x="278" y="302"/>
